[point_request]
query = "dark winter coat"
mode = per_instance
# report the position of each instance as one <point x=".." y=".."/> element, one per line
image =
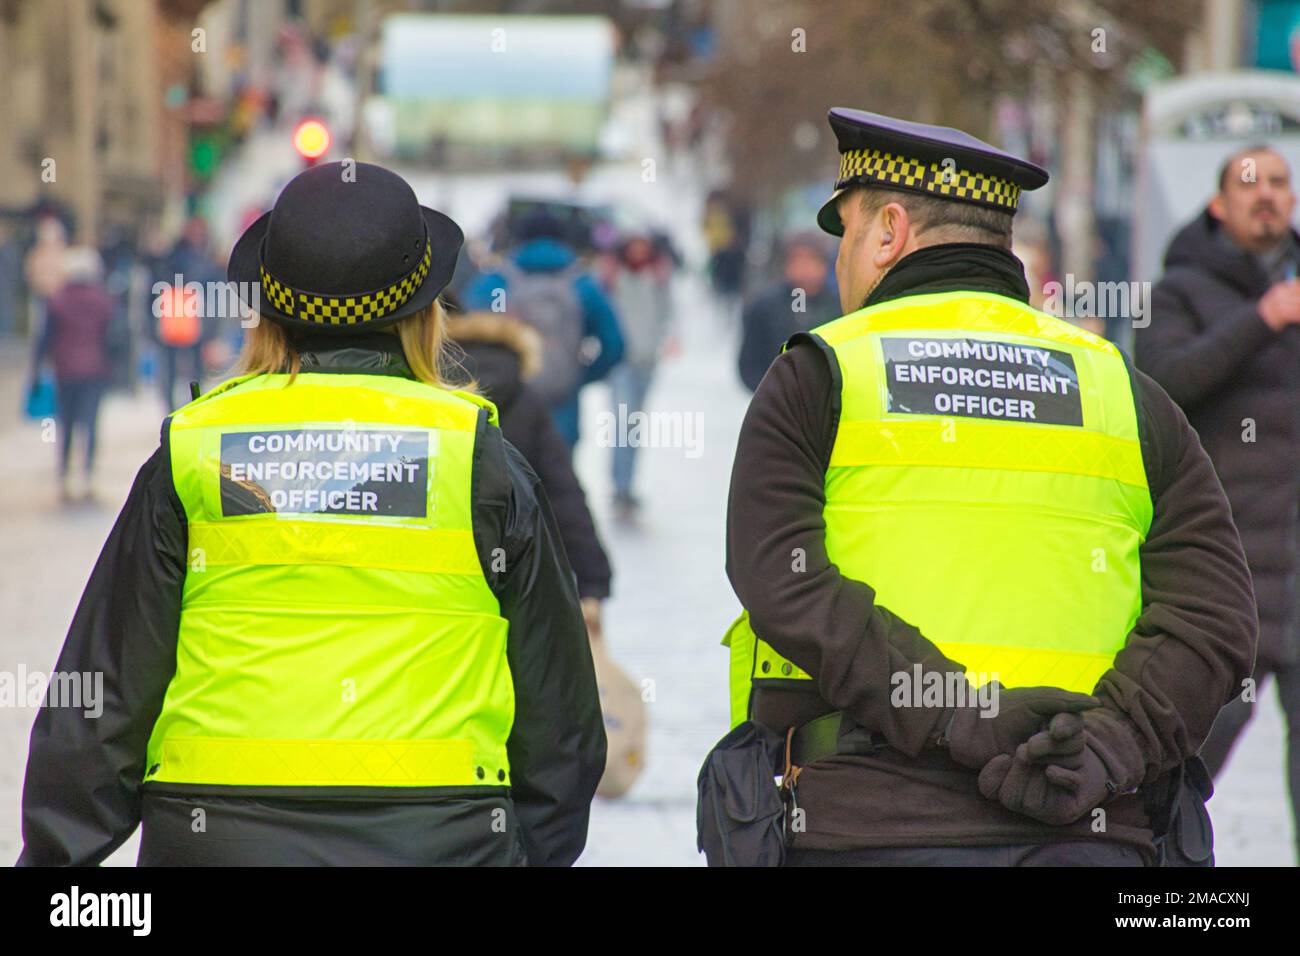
<point x="75" y="338"/>
<point x="83" y="796"/>
<point x="1239" y="383"/>
<point x="499" y="353"/>
<point x="770" y="319"/>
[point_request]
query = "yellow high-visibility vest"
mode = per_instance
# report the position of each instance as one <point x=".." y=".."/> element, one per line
<point x="336" y="626"/>
<point x="987" y="482"/>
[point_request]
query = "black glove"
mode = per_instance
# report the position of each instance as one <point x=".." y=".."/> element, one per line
<point x="1071" y="767"/>
<point x="973" y="737"/>
<point x="1062" y="742"/>
<point x="1106" y="731"/>
<point x="1048" y="793"/>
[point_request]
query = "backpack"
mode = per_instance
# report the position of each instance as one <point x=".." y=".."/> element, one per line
<point x="549" y="303"/>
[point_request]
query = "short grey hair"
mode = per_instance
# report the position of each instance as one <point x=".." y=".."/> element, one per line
<point x="955" y="221"/>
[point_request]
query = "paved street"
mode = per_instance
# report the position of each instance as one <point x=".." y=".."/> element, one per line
<point x="47" y="554"/>
<point x="670" y="606"/>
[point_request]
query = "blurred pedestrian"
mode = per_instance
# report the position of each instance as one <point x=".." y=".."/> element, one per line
<point x="334" y="612"/>
<point x="726" y="235"/>
<point x="544" y="283"/>
<point x="1224" y="340"/>
<point x="638" y="280"/>
<point x="75" y="341"/>
<point x="500" y="353"/>
<point x="120" y="270"/>
<point x="180" y="306"/>
<point x="803" y="298"/>
<point x="43" y="267"/>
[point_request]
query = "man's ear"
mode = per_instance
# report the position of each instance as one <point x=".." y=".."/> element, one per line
<point x="1216" y="207"/>
<point x="895" y="229"/>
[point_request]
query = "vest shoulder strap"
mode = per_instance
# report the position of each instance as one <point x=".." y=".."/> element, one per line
<point x="475" y="399"/>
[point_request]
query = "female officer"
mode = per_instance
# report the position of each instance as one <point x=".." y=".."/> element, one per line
<point x="334" y="621"/>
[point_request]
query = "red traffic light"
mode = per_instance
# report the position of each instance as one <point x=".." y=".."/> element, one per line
<point x="311" y="139"/>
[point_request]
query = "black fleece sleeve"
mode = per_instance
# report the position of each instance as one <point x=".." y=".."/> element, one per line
<point x="81" y="795"/>
<point x="1194" y="642"/>
<point x="798" y="601"/>
<point x="557" y="744"/>
<point x="1188" y="357"/>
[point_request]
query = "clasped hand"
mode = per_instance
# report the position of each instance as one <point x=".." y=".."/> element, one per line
<point x="1055" y="776"/>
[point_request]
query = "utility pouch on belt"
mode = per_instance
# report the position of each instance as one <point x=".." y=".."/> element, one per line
<point x="740" y="813"/>
<point x="1179" y="819"/>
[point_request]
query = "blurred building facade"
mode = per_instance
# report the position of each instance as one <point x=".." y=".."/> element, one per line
<point x="100" y="99"/>
<point x="84" y="90"/>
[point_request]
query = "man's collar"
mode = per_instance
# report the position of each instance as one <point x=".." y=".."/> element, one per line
<point x="953" y="267"/>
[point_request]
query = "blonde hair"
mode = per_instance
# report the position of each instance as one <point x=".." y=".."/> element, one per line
<point x="269" y="350"/>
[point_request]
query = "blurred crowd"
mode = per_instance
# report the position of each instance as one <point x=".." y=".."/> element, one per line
<point x="113" y="317"/>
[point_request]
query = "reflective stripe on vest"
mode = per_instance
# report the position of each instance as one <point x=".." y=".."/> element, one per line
<point x="336" y="626"/>
<point x="1006" y="531"/>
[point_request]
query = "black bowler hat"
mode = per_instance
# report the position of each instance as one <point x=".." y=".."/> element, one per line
<point x="939" y="161"/>
<point x="346" y="246"/>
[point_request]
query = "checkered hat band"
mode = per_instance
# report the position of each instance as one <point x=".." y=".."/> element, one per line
<point x="345" y="309"/>
<point x="875" y="166"/>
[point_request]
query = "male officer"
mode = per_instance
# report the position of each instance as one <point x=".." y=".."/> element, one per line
<point x="946" y="480"/>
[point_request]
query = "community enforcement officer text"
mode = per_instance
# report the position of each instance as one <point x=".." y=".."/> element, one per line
<point x="981" y="379"/>
<point x="325" y="471"/>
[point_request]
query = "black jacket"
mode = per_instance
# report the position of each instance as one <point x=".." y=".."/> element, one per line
<point x="497" y="350"/>
<point x="770" y="319"/>
<point x="1191" y="646"/>
<point x="1233" y="375"/>
<point x="83" y="794"/>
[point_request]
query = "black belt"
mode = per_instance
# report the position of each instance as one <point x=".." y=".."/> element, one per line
<point x="828" y="736"/>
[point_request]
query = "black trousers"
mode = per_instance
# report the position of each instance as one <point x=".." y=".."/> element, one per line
<point x="1070" y="853"/>
<point x="1234" y="717"/>
<point x="78" y="412"/>
<point x="209" y="830"/>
